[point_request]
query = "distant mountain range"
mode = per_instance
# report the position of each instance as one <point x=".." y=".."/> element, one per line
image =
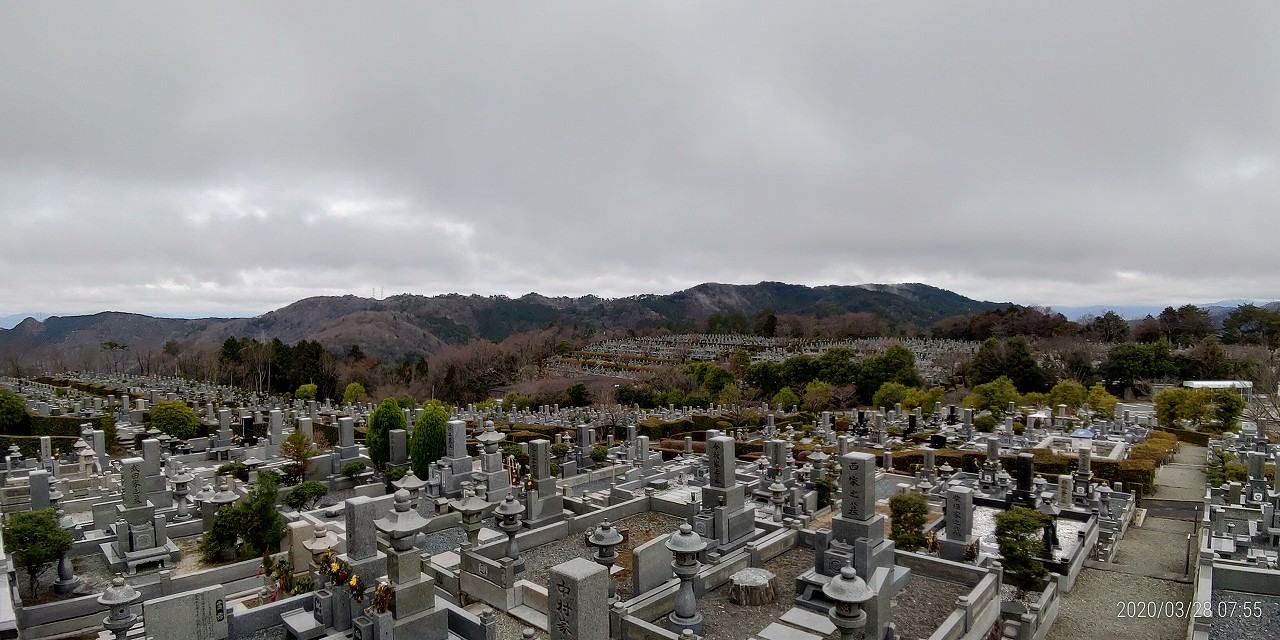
<point x="395" y="327"/>
<point x="1218" y="310"/>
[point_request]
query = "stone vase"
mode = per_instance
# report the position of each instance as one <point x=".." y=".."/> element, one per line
<point x="384" y="624"/>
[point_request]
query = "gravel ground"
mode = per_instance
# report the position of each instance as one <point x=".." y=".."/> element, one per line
<point x="444" y="540"/>
<point x="1242" y="619"/>
<point x="923" y="604"/>
<point x="1090" y="610"/>
<point x="642" y="528"/>
<point x="510" y="628"/>
<point x="728" y="621"/>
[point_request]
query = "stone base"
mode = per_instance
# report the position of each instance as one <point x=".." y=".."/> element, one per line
<point x="847" y="531"/>
<point x="678" y="624"/>
<point x="424" y="625"/>
<point x="809" y="591"/>
<point x="132" y="561"/>
<point x="68" y="586"/>
<point x="953" y="550"/>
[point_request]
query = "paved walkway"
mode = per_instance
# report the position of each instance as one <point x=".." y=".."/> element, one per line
<point x="1150" y="565"/>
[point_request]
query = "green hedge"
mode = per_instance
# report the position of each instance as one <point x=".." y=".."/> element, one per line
<point x="30" y="445"/>
<point x="1137" y="475"/>
<point x="1188" y="436"/>
<point x="94" y="389"/>
<point x="65" y="426"/>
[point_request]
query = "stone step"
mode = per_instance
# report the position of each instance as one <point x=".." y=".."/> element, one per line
<point x="776" y="631"/>
<point x="529" y="615"/>
<point x="808" y="620"/>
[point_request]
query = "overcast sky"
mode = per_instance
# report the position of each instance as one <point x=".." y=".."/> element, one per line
<point x="230" y="158"/>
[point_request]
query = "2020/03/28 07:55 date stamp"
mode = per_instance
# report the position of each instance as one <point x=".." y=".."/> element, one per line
<point x="1183" y="609"/>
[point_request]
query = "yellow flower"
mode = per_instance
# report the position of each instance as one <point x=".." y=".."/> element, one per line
<point x="354" y="580"/>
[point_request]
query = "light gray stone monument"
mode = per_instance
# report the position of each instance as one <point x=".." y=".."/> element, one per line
<point x="578" y="601"/>
<point x="199" y="614"/>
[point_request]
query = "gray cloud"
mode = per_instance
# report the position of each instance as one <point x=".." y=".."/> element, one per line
<point x="231" y="158"/>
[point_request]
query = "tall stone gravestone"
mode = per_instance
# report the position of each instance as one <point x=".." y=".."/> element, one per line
<point x="141" y="540"/>
<point x="959" y="528"/>
<point x="1082" y="477"/>
<point x="455" y="467"/>
<point x="578" y="601"/>
<point x="543" y="505"/>
<point x="857" y="536"/>
<point x="726" y="520"/>
<point x="362" y="553"/>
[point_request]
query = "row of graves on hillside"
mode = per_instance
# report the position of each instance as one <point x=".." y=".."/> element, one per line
<point x="480" y="542"/>
<point x="628" y="358"/>
<point x="1239" y="538"/>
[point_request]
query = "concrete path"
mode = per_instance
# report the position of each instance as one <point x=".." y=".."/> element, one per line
<point x="1150" y="566"/>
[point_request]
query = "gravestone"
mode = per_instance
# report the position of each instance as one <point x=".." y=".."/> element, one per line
<point x="857" y="485"/>
<point x="199" y="614"/>
<point x="38" y="482"/>
<point x="959" y="526"/>
<point x="578" y="601"/>
<point x="720" y="452"/>
<point x="543" y="505"/>
<point x="346" y="433"/>
<point x="131" y="482"/>
<point x="650" y="565"/>
<point x="398" y="442"/>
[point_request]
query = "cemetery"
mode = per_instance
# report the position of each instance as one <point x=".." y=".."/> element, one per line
<point x="1238" y="586"/>
<point x="598" y="522"/>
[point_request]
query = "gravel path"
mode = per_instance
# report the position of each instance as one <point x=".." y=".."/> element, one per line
<point x="1093" y="608"/>
<point x="1159" y="545"/>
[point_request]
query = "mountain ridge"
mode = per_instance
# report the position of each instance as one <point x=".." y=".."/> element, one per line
<point x="405" y="325"/>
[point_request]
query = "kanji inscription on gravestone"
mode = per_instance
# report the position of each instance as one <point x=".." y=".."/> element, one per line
<point x="959" y="513"/>
<point x="857" y="481"/>
<point x="720" y="461"/>
<point x="131" y="482"/>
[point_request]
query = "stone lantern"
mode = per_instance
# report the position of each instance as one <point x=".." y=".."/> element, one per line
<point x="181" y="487"/>
<point x="804" y="472"/>
<point x="489" y="439"/>
<point x="685" y="545"/>
<point x="473" y="510"/>
<point x="251" y="465"/>
<point x="224" y="494"/>
<point x="509" y="512"/>
<point x="322" y="540"/>
<point x="203" y="495"/>
<point x="1104" y="500"/>
<point x="411" y="483"/>
<point x="606" y="540"/>
<point x="779" y="491"/>
<point x="402" y="523"/>
<point x="945" y="471"/>
<point x="819" y="460"/>
<point x="117" y="599"/>
<point x="850" y="593"/>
